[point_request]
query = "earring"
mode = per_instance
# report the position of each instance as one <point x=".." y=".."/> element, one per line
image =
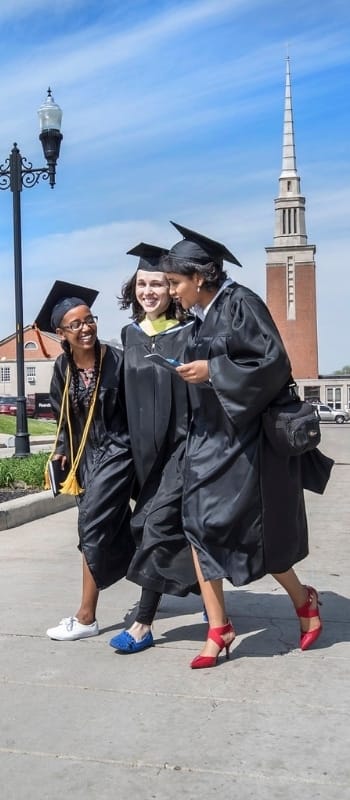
<point x="198" y="288"/>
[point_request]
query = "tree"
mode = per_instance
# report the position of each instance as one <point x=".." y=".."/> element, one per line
<point x="344" y="371"/>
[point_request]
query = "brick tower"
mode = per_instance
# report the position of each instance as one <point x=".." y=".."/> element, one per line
<point x="290" y="265"/>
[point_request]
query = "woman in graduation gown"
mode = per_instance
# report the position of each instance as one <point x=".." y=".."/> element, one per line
<point x="243" y="506"/>
<point x="87" y="396"/>
<point x="158" y="417"/>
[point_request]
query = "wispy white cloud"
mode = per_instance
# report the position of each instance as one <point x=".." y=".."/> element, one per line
<point x="21" y="9"/>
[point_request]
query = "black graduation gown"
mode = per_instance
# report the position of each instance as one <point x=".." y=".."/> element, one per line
<point x="106" y="470"/>
<point x="158" y="417"/>
<point x="243" y="507"/>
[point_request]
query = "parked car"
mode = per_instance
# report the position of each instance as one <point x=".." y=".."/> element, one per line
<point x="328" y="414"/>
<point x="8" y="405"/>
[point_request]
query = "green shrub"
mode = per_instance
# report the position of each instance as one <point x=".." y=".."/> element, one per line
<point x="29" y="470"/>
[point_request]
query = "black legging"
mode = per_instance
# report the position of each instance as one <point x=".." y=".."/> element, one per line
<point x="148" y="605"/>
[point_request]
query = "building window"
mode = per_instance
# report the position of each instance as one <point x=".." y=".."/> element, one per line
<point x="289" y="186"/>
<point x="5" y="375"/>
<point x="334" y="396"/>
<point x="30" y="346"/>
<point x="31" y="374"/>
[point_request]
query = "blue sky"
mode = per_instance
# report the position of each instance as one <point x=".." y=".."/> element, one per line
<point x="173" y="109"/>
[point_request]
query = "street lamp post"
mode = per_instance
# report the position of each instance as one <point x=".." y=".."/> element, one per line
<point x="16" y="173"/>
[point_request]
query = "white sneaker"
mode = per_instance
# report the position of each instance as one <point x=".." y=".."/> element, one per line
<point x="70" y="629"/>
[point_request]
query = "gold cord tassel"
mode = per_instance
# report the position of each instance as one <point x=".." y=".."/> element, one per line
<point x="71" y="485"/>
<point x="47" y="484"/>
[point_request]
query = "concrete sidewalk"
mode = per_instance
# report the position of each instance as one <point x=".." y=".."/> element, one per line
<point x="80" y="721"/>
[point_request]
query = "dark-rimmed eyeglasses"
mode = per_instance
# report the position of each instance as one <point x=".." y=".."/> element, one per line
<point x="78" y="324"/>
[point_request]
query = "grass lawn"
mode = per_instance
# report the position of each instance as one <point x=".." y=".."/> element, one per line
<point x="36" y="427"/>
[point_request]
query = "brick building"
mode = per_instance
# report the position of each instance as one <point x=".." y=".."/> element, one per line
<point x="40" y="353"/>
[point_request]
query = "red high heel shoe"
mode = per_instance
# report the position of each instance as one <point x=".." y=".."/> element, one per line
<point x="307" y="638"/>
<point x="215" y="634"/>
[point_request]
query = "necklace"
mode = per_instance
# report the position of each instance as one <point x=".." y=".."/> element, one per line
<point x="86" y="374"/>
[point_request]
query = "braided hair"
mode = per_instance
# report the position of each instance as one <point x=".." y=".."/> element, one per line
<point x="75" y="374"/>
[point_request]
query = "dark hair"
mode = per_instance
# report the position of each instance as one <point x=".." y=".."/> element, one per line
<point x="128" y="299"/>
<point x="75" y="373"/>
<point x="213" y="274"/>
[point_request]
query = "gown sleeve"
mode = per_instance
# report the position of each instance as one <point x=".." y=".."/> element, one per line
<point x="255" y="366"/>
<point x="56" y="393"/>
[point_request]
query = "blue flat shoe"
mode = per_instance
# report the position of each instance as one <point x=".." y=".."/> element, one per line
<point x="126" y="643"/>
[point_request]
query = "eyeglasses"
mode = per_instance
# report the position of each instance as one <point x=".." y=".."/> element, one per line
<point x="78" y="324"/>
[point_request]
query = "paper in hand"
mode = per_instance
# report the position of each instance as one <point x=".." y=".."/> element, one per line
<point x="168" y="363"/>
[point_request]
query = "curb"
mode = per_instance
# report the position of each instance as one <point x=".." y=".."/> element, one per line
<point x="26" y="509"/>
<point x="8" y="440"/>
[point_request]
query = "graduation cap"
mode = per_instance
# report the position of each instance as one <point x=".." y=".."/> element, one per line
<point x="62" y="297"/>
<point x="196" y="247"/>
<point x="150" y="256"/>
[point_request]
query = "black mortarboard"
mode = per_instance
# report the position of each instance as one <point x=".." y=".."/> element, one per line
<point x="196" y="247"/>
<point x="62" y="297"/>
<point x="150" y="256"/>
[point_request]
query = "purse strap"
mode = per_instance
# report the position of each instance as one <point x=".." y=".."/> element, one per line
<point x="292" y="386"/>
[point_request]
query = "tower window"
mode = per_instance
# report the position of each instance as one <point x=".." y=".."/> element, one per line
<point x="295" y="220"/>
<point x="289" y="186"/>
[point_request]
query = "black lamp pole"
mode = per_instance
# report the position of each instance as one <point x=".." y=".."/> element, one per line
<point x="16" y="173"/>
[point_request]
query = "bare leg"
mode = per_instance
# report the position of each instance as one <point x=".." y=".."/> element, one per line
<point x="87" y="611"/>
<point x="213" y="600"/>
<point x="298" y="595"/>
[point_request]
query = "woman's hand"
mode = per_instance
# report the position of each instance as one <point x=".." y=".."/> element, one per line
<point x="61" y="458"/>
<point x="194" y="372"/>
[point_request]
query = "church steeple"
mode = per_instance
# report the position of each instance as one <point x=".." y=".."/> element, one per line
<point x="289" y="166"/>
<point x="290" y="226"/>
<point x="290" y="266"/>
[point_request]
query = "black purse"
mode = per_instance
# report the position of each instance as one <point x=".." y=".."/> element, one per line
<point x="291" y="425"/>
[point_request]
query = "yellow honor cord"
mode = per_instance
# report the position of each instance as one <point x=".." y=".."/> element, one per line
<point x="70" y="485"/>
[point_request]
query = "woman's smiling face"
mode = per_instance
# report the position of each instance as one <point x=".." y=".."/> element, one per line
<point x="184" y="288"/>
<point x="152" y="292"/>
<point x="85" y="336"/>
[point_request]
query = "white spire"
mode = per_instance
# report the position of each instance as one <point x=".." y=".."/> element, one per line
<point x="289" y="167"/>
<point x="290" y="228"/>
